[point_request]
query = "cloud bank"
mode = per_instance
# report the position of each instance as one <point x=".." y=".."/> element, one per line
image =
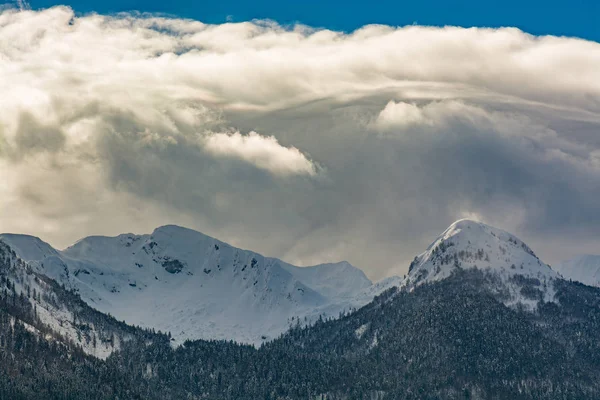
<point x="302" y="143"/>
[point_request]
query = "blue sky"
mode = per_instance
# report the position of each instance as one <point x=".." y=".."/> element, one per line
<point x="579" y="18"/>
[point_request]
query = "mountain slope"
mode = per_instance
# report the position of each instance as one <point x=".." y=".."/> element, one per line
<point x="584" y="269"/>
<point x="194" y="286"/>
<point x="454" y="338"/>
<point x="54" y="313"/>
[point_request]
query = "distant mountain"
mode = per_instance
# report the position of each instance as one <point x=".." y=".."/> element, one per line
<point x="196" y="287"/>
<point x="584" y="269"/>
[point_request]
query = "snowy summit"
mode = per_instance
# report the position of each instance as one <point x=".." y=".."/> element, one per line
<point x="468" y="244"/>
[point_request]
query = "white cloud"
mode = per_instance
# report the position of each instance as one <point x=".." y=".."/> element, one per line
<point x="400" y="114"/>
<point x="261" y="151"/>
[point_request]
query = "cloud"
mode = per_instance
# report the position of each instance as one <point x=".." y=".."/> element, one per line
<point x="263" y="152"/>
<point x="400" y="114"/>
<point x="303" y="143"/>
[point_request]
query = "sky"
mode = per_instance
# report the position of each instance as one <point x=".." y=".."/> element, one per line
<point x="311" y="144"/>
<point x="578" y="18"/>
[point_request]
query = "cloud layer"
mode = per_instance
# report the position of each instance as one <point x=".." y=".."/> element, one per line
<point x="302" y="143"/>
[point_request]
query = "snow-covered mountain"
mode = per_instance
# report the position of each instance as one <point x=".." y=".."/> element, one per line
<point x="584" y="269"/>
<point x="518" y="274"/>
<point x="196" y="287"/>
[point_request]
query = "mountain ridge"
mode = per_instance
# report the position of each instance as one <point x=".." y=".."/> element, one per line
<point x="195" y="286"/>
<point x="182" y="281"/>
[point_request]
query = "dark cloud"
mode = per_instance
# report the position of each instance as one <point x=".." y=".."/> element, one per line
<point x="31" y="136"/>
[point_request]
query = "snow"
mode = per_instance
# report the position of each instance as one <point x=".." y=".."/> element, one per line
<point x="196" y="287"/>
<point x="360" y="331"/>
<point x="379" y="287"/>
<point x="332" y="280"/>
<point x="61" y="322"/>
<point x="584" y="269"/>
<point x="470" y="244"/>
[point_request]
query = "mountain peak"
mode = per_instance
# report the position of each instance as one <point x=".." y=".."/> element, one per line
<point x="468" y="244"/>
<point x="471" y="231"/>
<point x="176" y="230"/>
<point x="467" y="223"/>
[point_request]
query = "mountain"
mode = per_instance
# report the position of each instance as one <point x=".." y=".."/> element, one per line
<point x="584" y="269"/>
<point x="518" y="275"/>
<point x="196" y="287"/>
<point x="453" y="336"/>
<point x="193" y="286"/>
